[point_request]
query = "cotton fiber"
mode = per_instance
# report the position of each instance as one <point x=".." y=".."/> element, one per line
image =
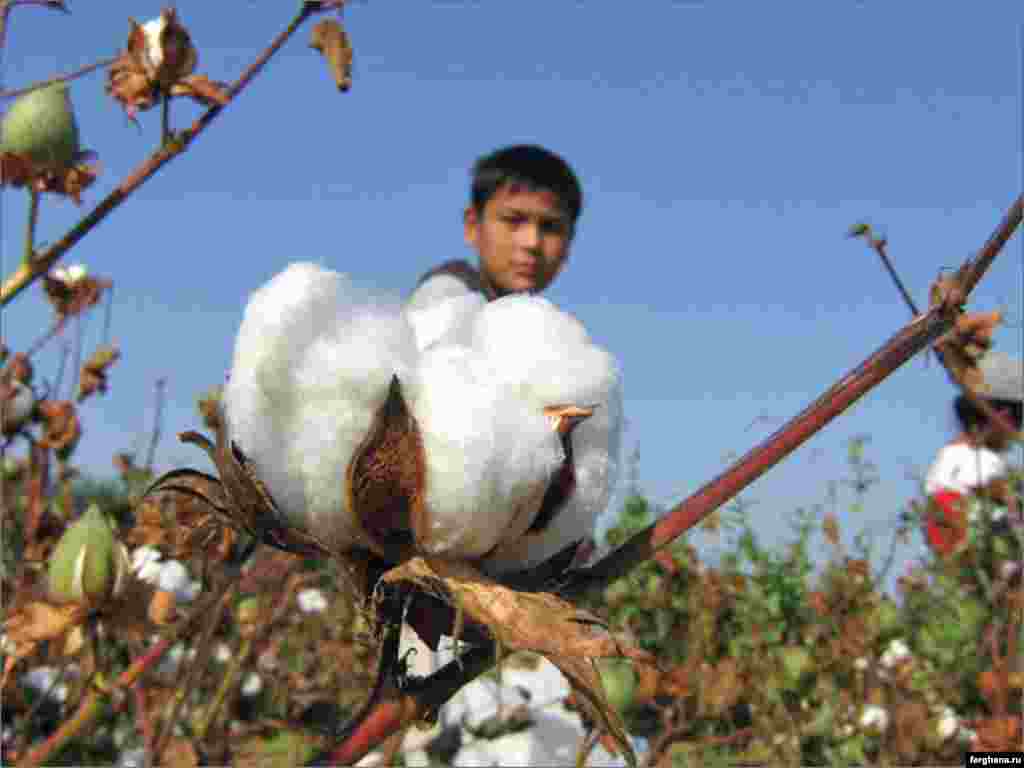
<point x="313" y="361"/>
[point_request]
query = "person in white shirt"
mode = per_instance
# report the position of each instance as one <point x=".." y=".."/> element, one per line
<point x="973" y="465"/>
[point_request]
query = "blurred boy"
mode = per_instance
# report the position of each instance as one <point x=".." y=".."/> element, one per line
<point x="525" y="201"/>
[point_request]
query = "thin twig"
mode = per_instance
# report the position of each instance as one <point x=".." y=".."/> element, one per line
<point x="22" y="277"/>
<point x="154" y="438"/>
<point x="15" y="93"/>
<point x="30" y="228"/>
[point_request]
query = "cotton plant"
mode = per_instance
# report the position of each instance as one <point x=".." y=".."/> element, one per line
<point x="447" y="442"/>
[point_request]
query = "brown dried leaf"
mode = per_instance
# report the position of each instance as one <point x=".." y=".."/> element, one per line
<point x="93" y="377"/>
<point x="543" y="623"/>
<point x="722" y="688"/>
<point x="830" y="527"/>
<point x="331" y="40"/>
<point x="203" y="90"/>
<point x="179" y="753"/>
<point x="19" y="171"/>
<point x="35" y="622"/>
<point x="60" y="424"/>
<point x="182" y="513"/>
<point x="997" y="734"/>
<point x="127" y="80"/>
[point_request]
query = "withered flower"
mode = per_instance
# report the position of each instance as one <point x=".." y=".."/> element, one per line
<point x="93" y="377"/>
<point x="71" y="291"/>
<point x="61" y="427"/>
<point x="160" y="60"/>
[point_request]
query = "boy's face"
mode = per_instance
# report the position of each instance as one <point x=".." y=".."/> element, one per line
<point x="522" y="237"/>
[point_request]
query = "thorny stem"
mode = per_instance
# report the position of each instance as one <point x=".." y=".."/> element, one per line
<point x="397" y="709"/>
<point x="30" y="228"/>
<point x="22" y="277"/>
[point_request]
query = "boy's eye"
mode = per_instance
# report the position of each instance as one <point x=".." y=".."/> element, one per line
<point x="513" y="220"/>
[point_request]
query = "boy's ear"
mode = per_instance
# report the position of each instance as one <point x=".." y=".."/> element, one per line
<point x="470" y="225"/>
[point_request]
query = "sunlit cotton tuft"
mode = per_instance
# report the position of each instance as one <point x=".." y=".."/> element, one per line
<point x="313" y="360"/>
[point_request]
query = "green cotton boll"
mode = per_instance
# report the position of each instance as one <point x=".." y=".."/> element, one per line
<point x="88" y="564"/>
<point x="797" y="663"/>
<point x="619" y="680"/>
<point x="41" y="125"/>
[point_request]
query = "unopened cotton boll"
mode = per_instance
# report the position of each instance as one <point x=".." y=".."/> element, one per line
<point x="313" y="362"/>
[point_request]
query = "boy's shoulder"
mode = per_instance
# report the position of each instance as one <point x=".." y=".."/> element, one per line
<point x="450" y="278"/>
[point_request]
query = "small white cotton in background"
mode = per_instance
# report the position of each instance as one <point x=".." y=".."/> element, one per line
<point x="132" y="758"/>
<point x="15" y="410"/>
<point x="42" y="679"/>
<point x="252" y="685"/>
<point x="146" y="564"/>
<point x="948" y="724"/>
<point x="174" y="578"/>
<point x="874" y="718"/>
<point x="895" y="653"/>
<point x="222" y="653"/>
<point x="311" y="601"/>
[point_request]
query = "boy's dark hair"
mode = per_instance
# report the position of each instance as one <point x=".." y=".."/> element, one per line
<point x="531" y="166"/>
<point x="971" y="417"/>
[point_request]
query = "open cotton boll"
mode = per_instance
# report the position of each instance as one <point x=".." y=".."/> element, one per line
<point x="489" y="456"/>
<point x="446" y="321"/>
<point x="313" y="360"/>
<point x="546" y="356"/>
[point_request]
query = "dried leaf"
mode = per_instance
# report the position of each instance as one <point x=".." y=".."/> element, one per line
<point x="93" y="377"/>
<point x="997" y="734"/>
<point x="182" y="513"/>
<point x="60" y="424"/>
<point x="330" y="39"/>
<point x="19" y="171"/>
<point x="543" y="623"/>
<point x="35" y="622"/>
<point x="179" y="753"/>
<point x="830" y="527"/>
<point x="202" y="89"/>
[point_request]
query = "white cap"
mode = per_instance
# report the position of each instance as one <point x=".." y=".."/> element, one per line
<point x="1004" y="376"/>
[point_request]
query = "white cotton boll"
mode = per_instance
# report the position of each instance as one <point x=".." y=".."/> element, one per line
<point x="487" y="454"/>
<point x="146" y="564"/>
<point x="446" y="321"/>
<point x="546" y="357"/>
<point x="313" y="361"/>
<point x="16" y="409"/>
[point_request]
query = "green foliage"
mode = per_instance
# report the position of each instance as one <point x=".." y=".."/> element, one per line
<point x="774" y="656"/>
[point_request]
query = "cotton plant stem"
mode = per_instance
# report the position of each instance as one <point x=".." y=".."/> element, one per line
<point x="24" y="275"/>
<point x="15" y="93"/>
<point x="227" y="684"/>
<point x="917" y="335"/>
<point x="30" y="227"/>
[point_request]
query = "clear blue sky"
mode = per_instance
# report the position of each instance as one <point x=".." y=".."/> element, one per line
<point x="724" y="151"/>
